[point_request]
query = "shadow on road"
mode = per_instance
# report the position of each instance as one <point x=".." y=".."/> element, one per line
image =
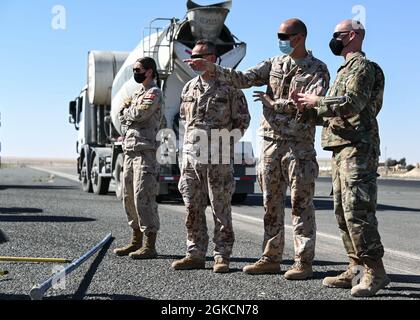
<point x="60" y="219"/>
<point x="20" y="210"/>
<point x="13" y="297"/>
<point x="3" y="237"/>
<point x="87" y="280"/>
<point x="37" y="187"/>
<point x="403" y="292"/>
<point x="324" y="203"/>
<point x="404" y="278"/>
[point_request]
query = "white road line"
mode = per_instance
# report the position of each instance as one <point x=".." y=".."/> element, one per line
<point x="58" y="174"/>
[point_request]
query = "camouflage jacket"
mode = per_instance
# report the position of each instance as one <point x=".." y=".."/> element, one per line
<point x="352" y="104"/>
<point x="141" y="117"/>
<point x="217" y="107"/>
<point x="285" y="79"/>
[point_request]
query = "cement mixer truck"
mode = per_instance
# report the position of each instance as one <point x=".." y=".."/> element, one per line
<point x="94" y="112"/>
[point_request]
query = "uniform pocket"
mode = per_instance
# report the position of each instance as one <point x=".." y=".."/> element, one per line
<point x="218" y="111"/>
<point x="187" y="107"/>
<point x="299" y="84"/>
<point x="306" y="171"/>
<point x="130" y="142"/>
<point x="361" y="194"/>
<point x="276" y="79"/>
<point x="149" y="163"/>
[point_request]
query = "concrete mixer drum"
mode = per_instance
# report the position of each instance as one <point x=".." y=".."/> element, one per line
<point x="207" y="22"/>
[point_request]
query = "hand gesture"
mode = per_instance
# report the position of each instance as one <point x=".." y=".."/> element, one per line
<point x="309" y="101"/>
<point x="264" y="98"/>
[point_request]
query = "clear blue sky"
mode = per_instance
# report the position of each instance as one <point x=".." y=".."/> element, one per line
<point x="42" y="69"/>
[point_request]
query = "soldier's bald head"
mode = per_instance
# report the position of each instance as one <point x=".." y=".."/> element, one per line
<point x="352" y="25"/>
<point x="294" y="26"/>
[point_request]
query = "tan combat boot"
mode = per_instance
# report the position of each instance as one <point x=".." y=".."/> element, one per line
<point x="300" y="271"/>
<point x="263" y="267"/>
<point x="374" y="279"/>
<point x="344" y="280"/>
<point x="148" y="251"/>
<point x="221" y="265"/>
<point x="189" y="263"/>
<point x="136" y="244"/>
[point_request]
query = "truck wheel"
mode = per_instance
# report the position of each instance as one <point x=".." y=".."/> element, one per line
<point x="100" y="185"/>
<point x="86" y="182"/>
<point x="239" y="198"/>
<point x="118" y="176"/>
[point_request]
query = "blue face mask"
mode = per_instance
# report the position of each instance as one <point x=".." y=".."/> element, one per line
<point x="285" y="47"/>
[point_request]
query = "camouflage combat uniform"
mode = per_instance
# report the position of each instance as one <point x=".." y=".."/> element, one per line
<point x="207" y="106"/>
<point x="351" y="133"/>
<point x="141" y="121"/>
<point x="288" y="157"/>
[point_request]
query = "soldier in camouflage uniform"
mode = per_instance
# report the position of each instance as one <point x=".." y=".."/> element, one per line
<point x="207" y="105"/>
<point x="351" y="133"/>
<point x="141" y="120"/>
<point x="288" y="157"/>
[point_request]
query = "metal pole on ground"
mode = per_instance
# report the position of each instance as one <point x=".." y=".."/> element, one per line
<point x="34" y="260"/>
<point x="38" y="292"/>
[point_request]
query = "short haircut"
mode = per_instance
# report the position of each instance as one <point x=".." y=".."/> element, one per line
<point x="299" y="26"/>
<point x="209" y="44"/>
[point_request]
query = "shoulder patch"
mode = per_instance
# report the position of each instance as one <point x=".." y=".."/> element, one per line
<point x="144" y="106"/>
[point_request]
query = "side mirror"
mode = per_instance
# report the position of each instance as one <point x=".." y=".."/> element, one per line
<point x="72" y="112"/>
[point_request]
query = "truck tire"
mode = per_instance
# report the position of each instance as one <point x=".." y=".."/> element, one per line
<point x="100" y="185"/>
<point x="239" y="197"/>
<point x="118" y="176"/>
<point x="85" y="178"/>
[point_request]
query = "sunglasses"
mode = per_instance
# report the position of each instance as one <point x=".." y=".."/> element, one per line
<point x="285" y="36"/>
<point x="137" y="70"/>
<point x="339" y="33"/>
<point x="201" y="56"/>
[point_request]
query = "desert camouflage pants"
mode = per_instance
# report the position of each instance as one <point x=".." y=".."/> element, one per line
<point x="355" y="197"/>
<point x="140" y="190"/>
<point x="279" y="168"/>
<point x="200" y="182"/>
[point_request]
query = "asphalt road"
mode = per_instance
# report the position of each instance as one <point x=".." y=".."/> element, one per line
<point x="45" y="216"/>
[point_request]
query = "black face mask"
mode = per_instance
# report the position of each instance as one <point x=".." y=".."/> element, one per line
<point x="337" y="46"/>
<point x="140" y="77"/>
